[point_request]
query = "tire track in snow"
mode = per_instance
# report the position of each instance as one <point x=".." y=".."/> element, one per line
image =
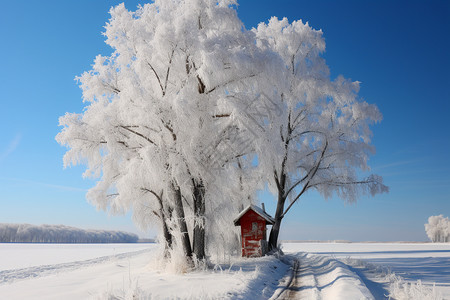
<point x="8" y="276"/>
<point x="289" y="291"/>
<point x="302" y="283"/>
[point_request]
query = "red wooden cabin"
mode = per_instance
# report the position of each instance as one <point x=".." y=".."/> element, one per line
<point x="253" y="221"/>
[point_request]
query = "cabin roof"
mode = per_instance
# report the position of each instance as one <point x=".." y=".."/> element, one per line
<point x="257" y="210"/>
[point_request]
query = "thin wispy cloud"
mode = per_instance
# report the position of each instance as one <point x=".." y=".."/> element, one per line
<point x="12" y="146"/>
<point x="425" y="184"/>
<point x="49" y="185"/>
<point x="64" y="187"/>
<point x="397" y="164"/>
<point x="402" y="173"/>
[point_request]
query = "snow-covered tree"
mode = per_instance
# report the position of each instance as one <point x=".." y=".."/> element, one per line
<point x="317" y="135"/>
<point x="438" y="229"/>
<point x="158" y="113"/>
<point x="188" y="98"/>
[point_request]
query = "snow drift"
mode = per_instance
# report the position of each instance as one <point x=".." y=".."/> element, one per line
<point x="26" y="233"/>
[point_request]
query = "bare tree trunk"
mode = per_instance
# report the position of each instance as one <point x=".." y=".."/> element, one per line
<point x="163" y="216"/>
<point x="179" y="210"/>
<point x="275" y="231"/>
<point x="199" y="220"/>
<point x="167" y="234"/>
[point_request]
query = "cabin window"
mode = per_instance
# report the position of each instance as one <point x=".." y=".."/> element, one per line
<point x="254" y="226"/>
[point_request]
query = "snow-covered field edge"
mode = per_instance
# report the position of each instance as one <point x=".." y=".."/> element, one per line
<point x="385" y="283"/>
<point x="242" y="278"/>
<point x="322" y="277"/>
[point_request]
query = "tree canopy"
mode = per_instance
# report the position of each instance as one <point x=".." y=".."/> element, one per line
<point x="192" y="113"/>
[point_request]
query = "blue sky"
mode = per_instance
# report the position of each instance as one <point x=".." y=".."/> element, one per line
<point x="399" y="50"/>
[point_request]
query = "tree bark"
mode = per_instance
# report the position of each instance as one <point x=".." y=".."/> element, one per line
<point x="167" y="234"/>
<point x="179" y="210"/>
<point x="274" y="232"/>
<point x="199" y="220"/>
<point x="168" y="238"/>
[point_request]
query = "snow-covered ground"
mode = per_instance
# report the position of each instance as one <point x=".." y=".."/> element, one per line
<point x="326" y="271"/>
<point x="18" y="256"/>
<point x="134" y="272"/>
<point x="427" y="262"/>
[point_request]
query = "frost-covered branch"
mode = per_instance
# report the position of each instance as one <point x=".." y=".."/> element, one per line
<point x="239" y="79"/>
<point x="310" y="175"/>
<point x="138" y="134"/>
<point x="157" y="78"/>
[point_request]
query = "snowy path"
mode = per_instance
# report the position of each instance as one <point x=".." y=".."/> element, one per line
<point x="319" y="277"/>
<point x="323" y="277"/>
<point x="291" y="289"/>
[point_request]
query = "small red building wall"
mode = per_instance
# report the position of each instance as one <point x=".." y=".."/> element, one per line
<point x="253" y="230"/>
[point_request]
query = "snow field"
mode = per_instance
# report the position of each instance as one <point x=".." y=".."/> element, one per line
<point x="326" y="271"/>
<point x="18" y="256"/>
<point x="372" y="250"/>
<point x="136" y="274"/>
<point x="73" y="280"/>
<point x="384" y="284"/>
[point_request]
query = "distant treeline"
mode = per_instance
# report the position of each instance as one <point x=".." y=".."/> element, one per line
<point x="26" y="233"/>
